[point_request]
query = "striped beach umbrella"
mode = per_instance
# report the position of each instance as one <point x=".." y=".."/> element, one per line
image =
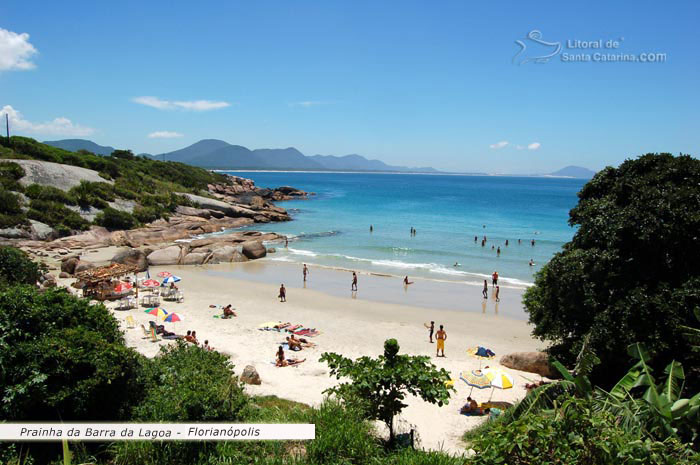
<point x="157" y="312"/>
<point x="172" y="318"/>
<point x="499" y="379"/>
<point x="475" y="379"/>
<point x="171" y="279"/>
<point x="150" y="283"/>
<point x="123" y="287"/>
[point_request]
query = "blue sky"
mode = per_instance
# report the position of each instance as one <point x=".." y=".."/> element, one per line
<point x="410" y="83"/>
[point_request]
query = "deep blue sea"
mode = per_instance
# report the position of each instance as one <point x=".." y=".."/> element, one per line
<point x="332" y="228"/>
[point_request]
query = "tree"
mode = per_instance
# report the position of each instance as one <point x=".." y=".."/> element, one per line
<point x="112" y="218"/>
<point x="379" y="385"/>
<point x="62" y="359"/>
<point x="631" y="273"/>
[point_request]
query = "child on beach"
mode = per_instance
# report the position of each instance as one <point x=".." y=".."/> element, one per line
<point x="353" y="287"/>
<point x="283" y="294"/>
<point x="431" y="328"/>
<point x="305" y="271"/>
<point x="498" y="291"/>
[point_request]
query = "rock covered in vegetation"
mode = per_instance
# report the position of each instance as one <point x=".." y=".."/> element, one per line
<point x="532" y="362"/>
<point x="60" y="176"/>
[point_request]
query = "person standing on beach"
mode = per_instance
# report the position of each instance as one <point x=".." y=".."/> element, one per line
<point x="354" y="282"/>
<point x="283" y="294"/>
<point x="498" y="291"/>
<point x="430" y="331"/>
<point x="485" y="292"/>
<point x="305" y="271"/>
<point x="441" y="337"/>
<point x="494" y="279"/>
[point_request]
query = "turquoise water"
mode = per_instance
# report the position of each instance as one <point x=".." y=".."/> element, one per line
<point x="332" y="228"/>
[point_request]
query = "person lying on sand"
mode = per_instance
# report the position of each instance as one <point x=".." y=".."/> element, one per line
<point x="303" y="342"/>
<point x="228" y="312"/>
<point x="282" y="362"/>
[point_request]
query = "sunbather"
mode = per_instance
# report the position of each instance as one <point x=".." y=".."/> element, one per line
<point x="470" y="408"/>
<point x="293" y="344"/>
<point x="228" y="312"/>
<point x="281" y="361"/>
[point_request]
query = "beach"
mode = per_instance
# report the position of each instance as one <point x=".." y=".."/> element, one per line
<point x="350" y="325"/>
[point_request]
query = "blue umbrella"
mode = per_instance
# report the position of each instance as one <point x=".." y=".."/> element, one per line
<point x="171" y="279"/>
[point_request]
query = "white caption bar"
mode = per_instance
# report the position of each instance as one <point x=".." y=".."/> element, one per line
<point x="154" y="431"/>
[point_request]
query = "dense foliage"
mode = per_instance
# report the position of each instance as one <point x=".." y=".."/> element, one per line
<point x="631" y="273"/>
<point x="149" y="182"/>
<point x="17" y="268"/>
<point x="379" y="385"/>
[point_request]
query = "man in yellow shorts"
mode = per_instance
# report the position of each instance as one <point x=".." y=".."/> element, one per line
<point x="441" y="337"/>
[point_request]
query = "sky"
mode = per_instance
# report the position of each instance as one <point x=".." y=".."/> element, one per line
<point x="460" y="86"/>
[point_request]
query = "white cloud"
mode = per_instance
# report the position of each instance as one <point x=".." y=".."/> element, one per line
<point x="61" y="126"/>
<point x="164" y="135"/>
<point x="15" y="51"/>
<point x="534" y="146"/>
<point x="519" y="147"/>
<point x="194" y="105"/>
<point x="499" y="145"/>
<point x="308" y="103"/>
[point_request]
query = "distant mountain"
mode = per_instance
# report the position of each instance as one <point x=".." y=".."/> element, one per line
<point x="574" y="172"/>
<point x="217" y="154"/>
<point x="74" y="145"/>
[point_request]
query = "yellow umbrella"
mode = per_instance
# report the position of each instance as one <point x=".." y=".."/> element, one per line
<point x="473" y="352"/>
<point x="499" y="379"/>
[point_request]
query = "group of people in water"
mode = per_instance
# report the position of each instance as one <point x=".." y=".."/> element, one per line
<point x="498" y="248"/>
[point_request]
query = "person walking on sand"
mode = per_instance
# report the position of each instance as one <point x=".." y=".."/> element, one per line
<point x="441" y="337"/>
<point x="283" y="293"/>
<point x="494" y="279"/>
<point x="305" y="271"/>
<point x="431" y="328"/>
<point x="485" y="292"/>
<point x="353" y="287"/>
<point x="498" y="291"/>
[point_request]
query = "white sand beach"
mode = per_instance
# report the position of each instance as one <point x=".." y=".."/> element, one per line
<point x="350" y="326"/>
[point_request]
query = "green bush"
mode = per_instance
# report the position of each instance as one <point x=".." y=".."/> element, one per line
<point x="95" y="194"/>
<point x="572" y="433"/>
<point x="39" y="192"/>
<point x="17" y="268"/>
<point x="10" y="174"/>
<point x="148" y="214"/>
<point x="9" y="203"/>
<point x="56" y="215"/>
<point x="112" y="218"/>
<point x="62" y="359"/>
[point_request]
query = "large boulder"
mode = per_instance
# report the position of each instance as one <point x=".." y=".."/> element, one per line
<point x="254" y="250"/>
<point x="223" y="254"/>
<point x="68" y="266"/>
<point x="167" y="256"/>
<point x="60" y="176"/>
<point x="82" y="266"/>
<point x="14" y="233"/>
<point x="190" y="211"/>
<point x="532" y="362"/>
<point x="210" y="204"/>
<point x="194" y="258"/>
<point x="250" y="376"/>
<point x="133" y="257"/>
<point x="41" y="232"/>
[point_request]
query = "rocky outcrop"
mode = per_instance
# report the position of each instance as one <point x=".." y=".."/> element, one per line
<point x="167" y="256"/>
<point x="14" y="233"/>
<point x="132" y="257"/>
<point x="254" y="250"/>
<point x="41" y="232"/>
<point x="532" y="362"/>
<point x="82" y="266"/>
<point x="199" y="212"/>
<point x="250" y="376"/>
<point x="68" y="265"/>
<point x="62" y="177"/>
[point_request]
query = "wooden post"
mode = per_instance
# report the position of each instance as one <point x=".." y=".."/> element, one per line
<point x="7" y="127"/>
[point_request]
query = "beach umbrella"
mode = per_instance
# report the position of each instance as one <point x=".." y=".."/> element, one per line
<point x="475" y="379"/>
<point x="171" y="279"/>
<point x="150" y="283"/>
<point x="499" y="379"/>
<point x="122" y="287"/>
<point x="164" y="274"/>
<point x="172" y="318"/>
<point x="473" y="352"/>
<point x="156" y="311"/>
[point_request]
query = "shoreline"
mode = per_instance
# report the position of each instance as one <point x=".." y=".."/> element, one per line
<point x="351" y="327"/>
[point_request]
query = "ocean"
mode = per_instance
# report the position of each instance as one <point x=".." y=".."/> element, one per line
<point x="332" y="228"/>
